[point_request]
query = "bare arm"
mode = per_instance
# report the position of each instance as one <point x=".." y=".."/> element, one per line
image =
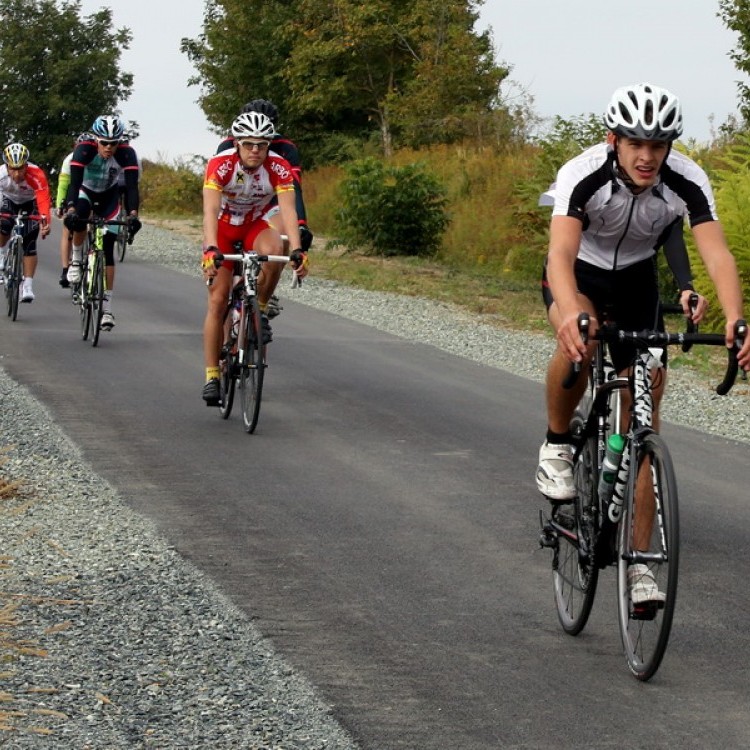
<point x="211" y="206"/>
<point x="722" y="269"/>
<point x="565" y="237"/>
<point x="288" y="210"/>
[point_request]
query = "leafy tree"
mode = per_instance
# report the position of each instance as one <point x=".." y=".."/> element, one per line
<point x="239" y="57"/>
<point x="736" y="16"/>
<point x="58" y="72"/>
<point x="412" y="67"/>
<point x="414" y="70"/>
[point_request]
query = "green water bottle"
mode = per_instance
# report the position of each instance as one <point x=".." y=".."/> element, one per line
<point x="610" y="465"/>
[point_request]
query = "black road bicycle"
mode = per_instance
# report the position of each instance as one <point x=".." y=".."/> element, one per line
<point x="243" y="356"/>
<point x="90" y="291"/>
<point x="590" y="532"/>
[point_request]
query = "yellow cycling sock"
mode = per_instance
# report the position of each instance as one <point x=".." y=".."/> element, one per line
<point x="211" y="373"/>
<point x="263" y="306"/>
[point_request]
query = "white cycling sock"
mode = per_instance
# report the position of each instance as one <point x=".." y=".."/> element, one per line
<point x="77" y="253"/>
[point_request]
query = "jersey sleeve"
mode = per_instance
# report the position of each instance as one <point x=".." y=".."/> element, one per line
<point x="218" y="172"/>
<point x="38" y="181"/>
<point x="282" y="174"/>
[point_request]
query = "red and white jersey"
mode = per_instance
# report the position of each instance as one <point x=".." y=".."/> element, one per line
<point x="34" y="185"/>
<point x="245" y="195"/>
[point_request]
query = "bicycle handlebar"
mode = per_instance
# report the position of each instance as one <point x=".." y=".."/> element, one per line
<point x="220" y="257"/>
<point x="23" y="216"/>
<point x="649" y="338"/>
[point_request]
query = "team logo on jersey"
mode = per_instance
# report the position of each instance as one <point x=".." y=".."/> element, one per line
<point x="223" y="170"/>
<point x="279" y="170"/>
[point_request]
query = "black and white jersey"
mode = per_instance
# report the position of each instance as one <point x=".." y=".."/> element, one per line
<point x="619" y="227"/>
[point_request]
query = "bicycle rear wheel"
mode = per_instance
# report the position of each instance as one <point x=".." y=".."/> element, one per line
<point x="97" y="297"/>
<point x="227" y="370"/>
<point x="645" y="627"/>
<point x="251" y="367"/>
<point x="14" y="276"/>
<point x="575" y="572"/>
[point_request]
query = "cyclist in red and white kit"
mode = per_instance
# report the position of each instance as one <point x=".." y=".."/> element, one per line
<point x="287" y="149"/>
<point x="23" y="187"/>
<point x="239" y="185"/>
<point x="612" y="203"/>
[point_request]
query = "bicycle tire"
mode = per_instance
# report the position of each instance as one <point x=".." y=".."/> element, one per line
<point x="97" y="298"/>
<point x="13" y="281"/>
<point x="251" y="367"/>
<point x="122" y="238"/>
<point x="575" y="572"/>
<point x="645" y="629"/>
<point x="227" y="381"/>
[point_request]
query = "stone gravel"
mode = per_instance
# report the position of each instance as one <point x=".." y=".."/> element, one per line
<point x="108" y="639"/>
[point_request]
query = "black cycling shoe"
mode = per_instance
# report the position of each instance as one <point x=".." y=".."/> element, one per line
<point x="212" y="392"/>
<point x="266" y="329"/>
<point x="273" y="308"/>
<point x="64" y="283"/>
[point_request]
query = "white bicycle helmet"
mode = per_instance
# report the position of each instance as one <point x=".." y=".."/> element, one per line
<point x="645" y="112"/>
<point x="108" y="127"/>
<point x="15" y="155"/>
<point x="253" y="125"/>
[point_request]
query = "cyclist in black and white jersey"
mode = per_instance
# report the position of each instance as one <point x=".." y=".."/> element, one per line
<point x="94" y="169"/>
<point x="612" y="204"/>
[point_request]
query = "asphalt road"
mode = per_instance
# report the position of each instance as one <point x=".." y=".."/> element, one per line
<point x="381" y="525"/>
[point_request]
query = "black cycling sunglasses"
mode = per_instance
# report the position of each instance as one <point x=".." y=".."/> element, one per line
<point x="108" y="143"/>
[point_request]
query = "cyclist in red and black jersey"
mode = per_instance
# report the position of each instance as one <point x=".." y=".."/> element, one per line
<point x="286" y="149"/>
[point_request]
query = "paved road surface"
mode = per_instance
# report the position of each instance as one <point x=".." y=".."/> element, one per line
<point x="381" y="525"/>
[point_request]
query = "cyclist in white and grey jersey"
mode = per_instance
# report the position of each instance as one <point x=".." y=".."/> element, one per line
<point x="620" y="227"/>
<point x="613" y="204"/>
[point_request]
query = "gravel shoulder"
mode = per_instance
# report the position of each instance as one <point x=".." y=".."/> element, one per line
<point x="108" y="639"/>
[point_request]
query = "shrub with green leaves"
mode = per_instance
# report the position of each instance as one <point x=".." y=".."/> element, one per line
<point x="391" y="210"/>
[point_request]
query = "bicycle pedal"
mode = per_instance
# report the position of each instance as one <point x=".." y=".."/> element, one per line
<point x="548" y="538"/>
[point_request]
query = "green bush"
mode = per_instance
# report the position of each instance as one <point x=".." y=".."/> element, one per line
<point x="175" y="189"/>
<point x="391" y="210"/>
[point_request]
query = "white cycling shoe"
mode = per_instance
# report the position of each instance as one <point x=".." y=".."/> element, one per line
<point x="554" y="475"/>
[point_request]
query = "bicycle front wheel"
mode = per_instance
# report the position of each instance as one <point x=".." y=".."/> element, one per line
<point x="645" y="626"/>
<point x="97" y="297"/>
<point x="251" y="367"/>
<point x="575" y="572"/>
<point x="14" y="277"/>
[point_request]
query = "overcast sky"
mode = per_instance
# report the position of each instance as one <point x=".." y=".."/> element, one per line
<point x="568" y="54"/>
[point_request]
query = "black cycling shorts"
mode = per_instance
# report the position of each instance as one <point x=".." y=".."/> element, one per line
<point x="628" y="297"/>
